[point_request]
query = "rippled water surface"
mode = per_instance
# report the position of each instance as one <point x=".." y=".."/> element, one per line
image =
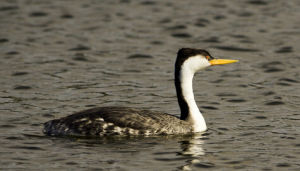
<point x="59" y="57"/>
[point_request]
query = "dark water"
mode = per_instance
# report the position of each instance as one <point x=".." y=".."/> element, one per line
<point x="58" y="57"/>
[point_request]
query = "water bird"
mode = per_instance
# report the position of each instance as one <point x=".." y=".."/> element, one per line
<point x="105" y="121"/>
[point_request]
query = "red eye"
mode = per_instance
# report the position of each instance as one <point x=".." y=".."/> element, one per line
<point x="207" y="57"/>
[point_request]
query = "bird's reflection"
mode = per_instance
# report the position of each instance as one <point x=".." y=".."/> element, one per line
<point x="193" y="148"/>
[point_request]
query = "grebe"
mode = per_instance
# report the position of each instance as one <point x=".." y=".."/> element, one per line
<point x="103" y="121"/>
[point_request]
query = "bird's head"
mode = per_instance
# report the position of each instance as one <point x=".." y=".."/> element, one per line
<point x="197" y="59"/>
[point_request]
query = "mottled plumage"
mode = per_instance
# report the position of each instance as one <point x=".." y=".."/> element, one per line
<point x="117" y="121"/>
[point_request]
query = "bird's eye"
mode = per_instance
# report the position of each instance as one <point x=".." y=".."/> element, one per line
<point x="207" y="57"/>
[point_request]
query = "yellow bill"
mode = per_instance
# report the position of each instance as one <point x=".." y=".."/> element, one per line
<point x="222" y="61"/>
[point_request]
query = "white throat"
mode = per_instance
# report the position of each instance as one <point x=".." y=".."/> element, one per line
<point x="188" y="69"/>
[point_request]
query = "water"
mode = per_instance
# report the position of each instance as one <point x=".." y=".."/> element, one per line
<point x="59" y="57"/>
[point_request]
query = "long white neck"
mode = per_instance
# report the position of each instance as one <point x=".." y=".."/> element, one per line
<point x="186" y="84"/>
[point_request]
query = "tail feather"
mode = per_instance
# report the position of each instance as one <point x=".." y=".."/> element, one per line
<point x="53" y="127"/>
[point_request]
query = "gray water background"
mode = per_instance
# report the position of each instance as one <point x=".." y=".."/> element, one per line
<point x="61" y="56"/>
